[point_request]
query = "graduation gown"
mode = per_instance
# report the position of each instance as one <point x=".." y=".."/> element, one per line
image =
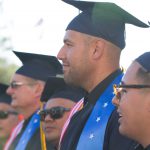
<point x="35" y="141"/>
<point x="113" y="140"/>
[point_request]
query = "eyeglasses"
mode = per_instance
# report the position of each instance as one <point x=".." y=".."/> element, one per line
<point x="118" y="89"/>
<point x="5" y="114"/>
<point x="15" y="85"/>
<point x="54" y="112"/>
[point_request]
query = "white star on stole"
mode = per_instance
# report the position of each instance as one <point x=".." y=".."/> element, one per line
<point x="105" y="105"/>
<point x="35" y="121"/>
<point x="98" y="119"/>
<point x="23" y="141"/>
<point x="91" y="136"/>
<point x="29" y="130"/>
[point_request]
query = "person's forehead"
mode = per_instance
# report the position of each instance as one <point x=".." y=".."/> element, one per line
<point x="19" y="77"/>
<point x="130" y="75"/>
<point x="57" y="102"/>
<point x="70" y="34"/>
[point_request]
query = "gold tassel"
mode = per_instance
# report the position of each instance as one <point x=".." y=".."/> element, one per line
<point x="43" y="141"/>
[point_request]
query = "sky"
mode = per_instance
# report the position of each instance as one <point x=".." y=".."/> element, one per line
<point x="38" y="26"/>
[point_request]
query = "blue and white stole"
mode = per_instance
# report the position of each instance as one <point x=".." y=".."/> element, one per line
<point x="32" y="126"/>
<point x="92" y="136"/>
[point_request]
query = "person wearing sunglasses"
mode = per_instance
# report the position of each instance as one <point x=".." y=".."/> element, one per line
<point x="25" y="89"/>
<point x="133" y="102"/>
<point x="60" y="99"/>
<point x="9" y="118"/>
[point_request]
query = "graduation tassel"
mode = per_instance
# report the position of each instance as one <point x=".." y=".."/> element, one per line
<point x="43" y="142"/>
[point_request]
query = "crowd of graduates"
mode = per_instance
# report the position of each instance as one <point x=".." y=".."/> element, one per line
<point x="86" y="101"/>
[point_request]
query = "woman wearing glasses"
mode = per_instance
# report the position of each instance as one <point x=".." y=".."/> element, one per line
<point x="133" y="102"/>
<point x="9" y="118"/>
<point x="60" y="100"/>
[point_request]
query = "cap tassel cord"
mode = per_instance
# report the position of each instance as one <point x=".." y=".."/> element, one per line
<point x="43" y="142"/>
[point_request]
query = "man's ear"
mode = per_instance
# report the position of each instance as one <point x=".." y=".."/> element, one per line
<point x="98" y="49"/>
<point x="39" y="89"/>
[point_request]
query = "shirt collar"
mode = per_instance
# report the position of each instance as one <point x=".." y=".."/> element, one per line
<point x="100" y="88"/>
<point x="140" y="147"/>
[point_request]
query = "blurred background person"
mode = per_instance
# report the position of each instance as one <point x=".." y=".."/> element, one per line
<point x="60" y="98"/>
<point x="25" y="88"/>
<point x="9" y="118"/>
<point x="133" y="102"/>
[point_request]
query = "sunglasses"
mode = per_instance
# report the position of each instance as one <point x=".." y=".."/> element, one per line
<point x="5" y="114"/>
<point x="54" y="113"/>
<point x="118" y="89"/>
<point x="15" y="85"/>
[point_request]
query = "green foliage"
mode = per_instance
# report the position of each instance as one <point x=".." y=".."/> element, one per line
<point x="6" y="70"/>
<point x="2" y="143"/>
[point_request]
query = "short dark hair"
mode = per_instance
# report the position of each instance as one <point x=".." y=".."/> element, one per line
<point x="143" y="75"/>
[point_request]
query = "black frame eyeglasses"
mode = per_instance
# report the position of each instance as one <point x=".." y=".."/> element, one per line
<point x="5" y="114"/>
<point x="118" y="89"/>
<point x="54" y="112"/>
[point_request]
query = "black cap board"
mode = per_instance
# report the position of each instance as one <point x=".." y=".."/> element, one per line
<point x="103" y="19"/>
<point x="57" y="88"/>
<point x="38" y="66"/>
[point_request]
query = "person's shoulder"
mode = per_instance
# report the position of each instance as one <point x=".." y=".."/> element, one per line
<point x="148" y="147"/>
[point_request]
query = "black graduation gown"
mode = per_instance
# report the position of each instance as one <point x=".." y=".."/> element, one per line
<point x="35" y="141"/>
<point x="112" y="140"/>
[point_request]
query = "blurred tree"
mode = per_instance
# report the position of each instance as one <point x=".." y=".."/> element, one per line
<point x="5" y="42"/>
<point x="2" y="143"/>
<point x="5" y="36"/>
<point x="6" y="70"/>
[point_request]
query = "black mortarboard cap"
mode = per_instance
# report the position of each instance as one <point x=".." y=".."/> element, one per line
<point x="4" y="98"/>
<point x="144" y="61"/>
<point x="38" y="66"/>
<point x="57" y="88"/>
<point x="103" y="19"/>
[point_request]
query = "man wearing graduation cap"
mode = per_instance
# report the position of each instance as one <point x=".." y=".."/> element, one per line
<point x="133" y="101"/>
<point x="90" y="56"/>
<point x="60" y="100"/>
<point x="25" y="89"/>
<point x="9" y="118"/>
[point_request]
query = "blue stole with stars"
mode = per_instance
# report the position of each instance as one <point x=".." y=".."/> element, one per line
<point x="29" y="131"/>
<point x="92" y="136"/>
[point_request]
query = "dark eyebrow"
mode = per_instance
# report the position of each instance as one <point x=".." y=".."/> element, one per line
<point x="67" y="40"/>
